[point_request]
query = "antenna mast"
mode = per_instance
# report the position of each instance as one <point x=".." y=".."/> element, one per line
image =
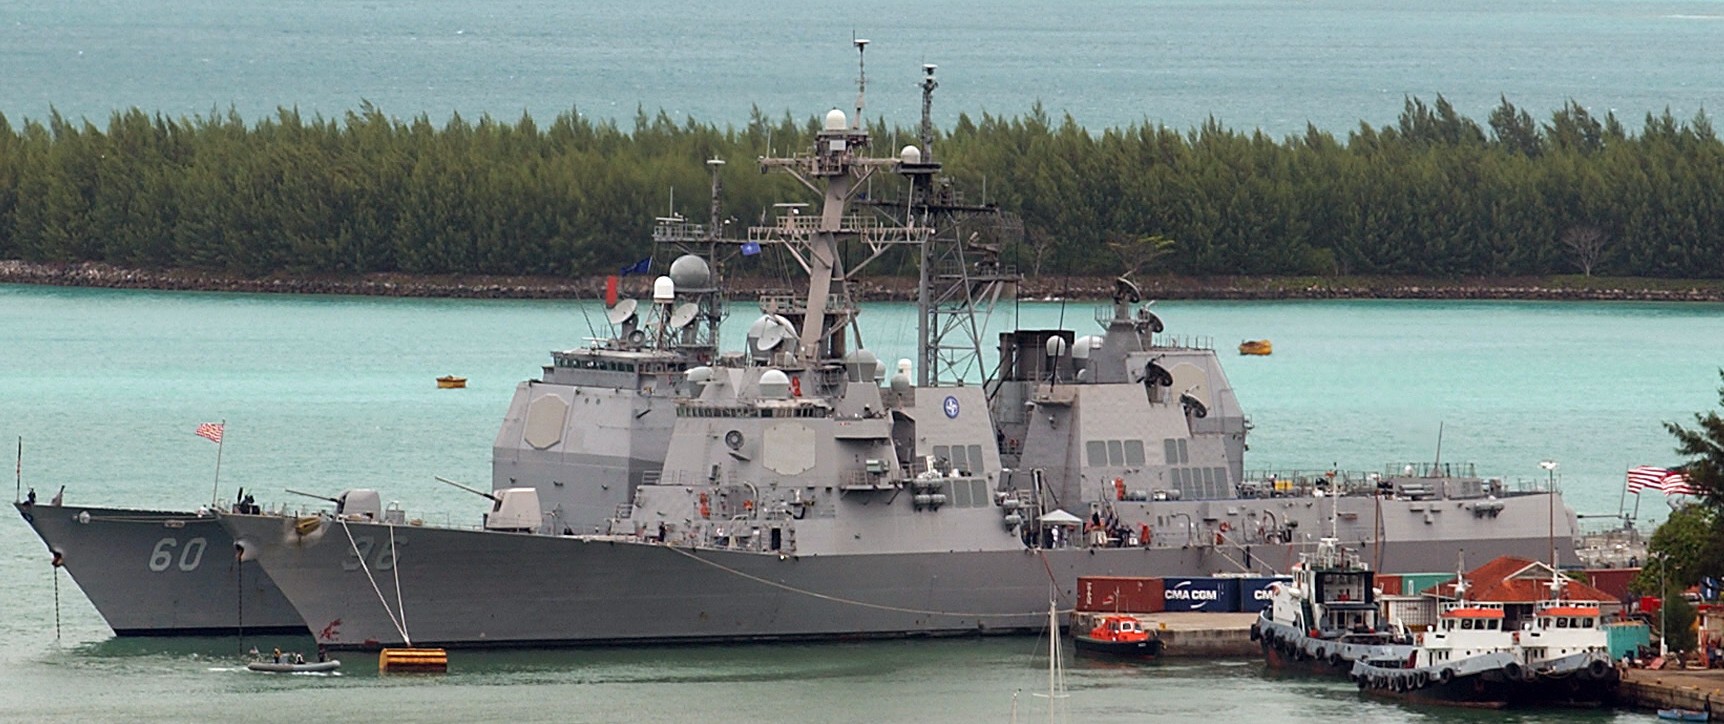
<point x="861" y="79"/>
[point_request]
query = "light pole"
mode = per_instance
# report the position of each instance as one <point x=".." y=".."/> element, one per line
<point x="1663" y="603"/>
<point x="1550" y="495"/>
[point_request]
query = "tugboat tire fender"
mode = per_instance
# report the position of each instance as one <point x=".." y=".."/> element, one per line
<point x="1335" y="660"/>
<point x="1598" y="669"/>
<point x="1446" y="675"/>
<point x="1321" y="653"/>
<point x="1512" y="671"/>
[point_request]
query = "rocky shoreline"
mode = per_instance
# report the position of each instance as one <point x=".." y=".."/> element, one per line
<point x="104" y="276"/>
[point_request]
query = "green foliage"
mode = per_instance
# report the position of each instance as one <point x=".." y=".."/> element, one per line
<point x="1685" y="548"/>
<point x="1675" y="622"/>
<point x="1433" y="194"/>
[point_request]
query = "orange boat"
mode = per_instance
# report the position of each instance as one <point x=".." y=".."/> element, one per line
<point x="1115" y="634"/>
<point x="449" y="382"/>
<point x="1256" y="347"/>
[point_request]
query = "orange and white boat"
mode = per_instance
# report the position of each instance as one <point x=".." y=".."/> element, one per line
<point x="1114" y="634"/>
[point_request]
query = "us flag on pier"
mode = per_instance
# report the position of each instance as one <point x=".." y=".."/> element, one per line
<point x="1669" y="482"/>
<point x="210" y="431"/>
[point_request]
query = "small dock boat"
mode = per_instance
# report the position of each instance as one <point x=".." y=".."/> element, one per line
<point x="1259" y="347"/>
<point x="1115" y="635"/>
<point x="1684" y="715"/>
<point x="309" y="666"/>
<point x="451" y="382"/>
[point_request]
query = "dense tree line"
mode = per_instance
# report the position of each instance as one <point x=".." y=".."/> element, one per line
<point x="1436" y="194"/>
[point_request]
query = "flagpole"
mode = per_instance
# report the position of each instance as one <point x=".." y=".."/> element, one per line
<point x="220" y="441"/>
<point x="18" y="473"/>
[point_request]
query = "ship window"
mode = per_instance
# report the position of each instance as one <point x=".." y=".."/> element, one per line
<point x="961" y="496"/>
<point x="1586" y="623"/>
<point x="1562" y="622"/>
<point x="1467" y="624"/>
<point x="979" y="492"/>
<point x="942" y="452"/>
<point x="1097" y="452"/>
<point x="1172" y="450"/>
<point x="958" y="461"/>
<point x="975" y="459"/>
<point x="1134" y="453"/>
<point x="1184" y="454"/>
<point x="1221" y="477"/>
<point x="1115" y="453"/>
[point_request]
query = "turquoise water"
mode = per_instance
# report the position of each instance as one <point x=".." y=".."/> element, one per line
<point x="324" y="393"/>
<point x="1270" y="64"/>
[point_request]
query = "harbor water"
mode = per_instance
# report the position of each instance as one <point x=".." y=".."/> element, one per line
<point x="324" y="393"/>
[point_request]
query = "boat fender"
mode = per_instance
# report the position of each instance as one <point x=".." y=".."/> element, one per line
<point x="1362" y="682"/>
<point x="1423" y="679"/>
<point x="1321" y="653"/>
<point x="1512" y="671"/>
<point x="1598" y="669"/>
<point x="1335" y="660"/>
<point x="1446" y="675"/>
<point x="1255" y="634"/>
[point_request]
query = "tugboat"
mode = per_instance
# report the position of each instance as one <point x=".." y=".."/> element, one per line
<point x="1477" y="656"/>
<point x="1326" y="618"/>
<point x="1114" y="635"/>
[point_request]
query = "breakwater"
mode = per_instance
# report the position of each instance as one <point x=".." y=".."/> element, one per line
<point x="104" y="276"/>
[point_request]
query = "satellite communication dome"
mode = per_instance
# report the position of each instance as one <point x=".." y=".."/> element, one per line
<point x="774" y="385"/>
<point x="663" y="290"/>
<point x="835" y="120"/>
<point x="1056" y="346"/>
<point x="910" y="154"/>
<point x="1082" y="347"/>
<point x="690" y="272"/>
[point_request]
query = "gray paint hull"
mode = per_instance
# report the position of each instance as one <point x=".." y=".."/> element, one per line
<point x="473" y="588"/>
<point x="161" y="573"/>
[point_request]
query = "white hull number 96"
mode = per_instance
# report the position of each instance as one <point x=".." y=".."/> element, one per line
<point x="191" y="554"/>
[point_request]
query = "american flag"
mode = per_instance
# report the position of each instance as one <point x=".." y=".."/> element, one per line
<point x="1669" y="482"/>
<point x="210" y="431"/>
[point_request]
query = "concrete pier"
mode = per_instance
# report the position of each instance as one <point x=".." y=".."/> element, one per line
<point x="1696" y="689"/>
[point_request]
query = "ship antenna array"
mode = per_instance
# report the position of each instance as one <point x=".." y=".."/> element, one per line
<point x="861" y="79"/>
<point x="928" y="86"/>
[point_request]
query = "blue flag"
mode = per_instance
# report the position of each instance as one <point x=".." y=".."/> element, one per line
<point x="640" y="267"/>
<point x="750" y="248"/>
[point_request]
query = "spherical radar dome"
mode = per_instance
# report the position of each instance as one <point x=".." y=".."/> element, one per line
<point x="690" y="272"/>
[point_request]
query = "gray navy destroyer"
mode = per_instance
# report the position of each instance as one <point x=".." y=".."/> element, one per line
<point x="653" y="489"/>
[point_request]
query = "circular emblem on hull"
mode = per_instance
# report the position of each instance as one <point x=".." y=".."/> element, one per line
<point x="951" y="407"/>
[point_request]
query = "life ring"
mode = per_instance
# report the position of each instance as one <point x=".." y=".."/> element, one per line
<point x="748" y="506"/>
<point x="1225" y="527"/>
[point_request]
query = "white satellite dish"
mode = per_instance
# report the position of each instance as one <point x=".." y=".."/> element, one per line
<point x="621" y="312"/>
<point x="770" y="337"/>
<point x="683" y="314"/>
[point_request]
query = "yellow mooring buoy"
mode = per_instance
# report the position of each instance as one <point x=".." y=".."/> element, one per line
<point x="426" y="661"/>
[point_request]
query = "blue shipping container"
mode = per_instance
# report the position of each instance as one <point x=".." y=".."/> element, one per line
<point x="1254" y="593"/>
<point x="1201" y="594"/>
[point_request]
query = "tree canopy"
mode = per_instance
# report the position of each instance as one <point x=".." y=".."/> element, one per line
<point x="1435" y="194"/>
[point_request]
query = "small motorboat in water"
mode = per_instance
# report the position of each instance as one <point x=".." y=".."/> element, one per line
<point x="1116" y="635"/>
<point x="1257" y="347"/>
<point x="309" y="666"/>
<point x="1684" y="715"/>
<point x="451" y="382"/>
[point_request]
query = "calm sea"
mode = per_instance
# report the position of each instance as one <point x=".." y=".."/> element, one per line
<point x="1270" y="64"/>
<point x="324" y="393"/>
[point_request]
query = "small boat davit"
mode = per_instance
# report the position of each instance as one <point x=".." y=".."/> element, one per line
<point x="1260" y="347"/>
<point x="309" y="666"/>
<point x="1115" y="635"/>
<point x="451" y="382"/>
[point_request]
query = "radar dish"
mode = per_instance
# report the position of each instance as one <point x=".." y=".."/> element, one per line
<point x="683" y="314"/>
<point x="621" y="312"/>
<point x="770" y="337"/>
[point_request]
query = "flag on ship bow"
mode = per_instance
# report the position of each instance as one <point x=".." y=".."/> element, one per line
<point x="1670" y="482"/>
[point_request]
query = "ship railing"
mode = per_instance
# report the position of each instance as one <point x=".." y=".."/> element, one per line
<point x="1302" y="483"/>
<point x="1430" y="470"/>
<point x="675" y="229"/>
<point x="1182" y="341"/>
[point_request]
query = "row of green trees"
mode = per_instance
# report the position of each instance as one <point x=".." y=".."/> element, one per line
<point x="1436" y="194"/>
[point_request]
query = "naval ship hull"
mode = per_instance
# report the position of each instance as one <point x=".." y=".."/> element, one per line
<point x="468" y="588"/>
<point x="161" y="573"/>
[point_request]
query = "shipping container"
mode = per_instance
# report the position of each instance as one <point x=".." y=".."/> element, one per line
<point x="1413" y="584"/>
<point x="1201" y="594"/>
<point x="1119" y="594"/>
<point x="1627" y="638"/>
<point x="1613" y="581"/>
<point x="1389" y="583"/>
<point x="1254" y="594"/>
